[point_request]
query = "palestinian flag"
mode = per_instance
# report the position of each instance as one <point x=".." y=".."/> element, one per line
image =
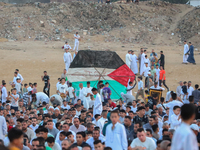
<point x="89" y="65"/>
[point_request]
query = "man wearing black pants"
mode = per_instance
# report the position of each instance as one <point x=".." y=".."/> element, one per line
<point x="162" y="59"/>
<point x="162" y="77"/>
<point x="46" y="80"/>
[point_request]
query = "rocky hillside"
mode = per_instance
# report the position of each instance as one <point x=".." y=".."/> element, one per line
<point x="150" y="22"/>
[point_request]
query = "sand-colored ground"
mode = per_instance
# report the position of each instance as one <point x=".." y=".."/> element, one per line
<point x="33" y="57"/>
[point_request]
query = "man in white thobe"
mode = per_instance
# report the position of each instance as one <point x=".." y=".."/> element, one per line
<point x="184" y="138"/>
<point x="134" y="66"/>
<point x="128" y="59"/>
<point x="97" y="104"/>
<point x="157" y="74"/>
<point x="100" y="123"/>
<point x="88" y="91"/>
<point x="19" y="75"/>
<point x="142" y="62"/>
<point x="190" y="88"/>
<point x="40" y="98"/>
<point x="67" y="46"/>
<point x="179" y="89"/>
<point x="67" y="59"/>
<point x="3" y="128"/>
<point x="76" y="42"/>
<point x="185" y="56"/>
<point x="82" y="92"/>
<point x="4" y="94"/>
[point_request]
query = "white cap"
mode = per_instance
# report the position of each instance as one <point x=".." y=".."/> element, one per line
<point x="194" y="127"/>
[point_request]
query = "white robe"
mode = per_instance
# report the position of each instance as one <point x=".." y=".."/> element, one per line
<point x="128" y="60"/>
<point x="184" y="138"/>
<point x="185" y="57"/>
<point x="3" y="127"/>
<point x="116" y="138"/>
<point x="147" y="60"/>
<point x="142" y="63"/>
<point x="157" y="75"/>
<point x="87" y="99"/>
<point x="67" y="59"/>
<point x="97" y="105"/>
<point x="76" y="42"/>
<point x="67" y="46"/>
<point x="82" y="94"/>
<point x="134" y="66"/>
<point x="4" y="94"/>
<point x="41" y="97"/>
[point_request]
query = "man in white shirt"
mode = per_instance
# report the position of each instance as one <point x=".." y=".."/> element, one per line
<point x="62" y="89"/>
<point x="40" y="98"/>
<point x="67" y="59"/>
<point x="116" y="137"/>
<point x="190" y="88"/>
<point x="185" y="55"/>
<point x="143" y="141"/>
<point x="76" y="42"/>
<point x="97" y="104"/>
<point x="15" y="78"/>
<point x="34" y="124"/>
<point x="71" y="93"/>
<point x="175" y="118"/>
<point x="19" y="75"/>
<point x="184" y="138"/>
<point x="179" y="89"/>
<point x="87" y="99"/>
<point x="15" y="98"/>
<point x="65" y="105"/>
<point x="30" y="87"/>
<point x="168" y="95"/>
<point x="18" y="86"/>
<point x="171" y="105"/>
<point x="95" y="136"/>
<point x="142" y="62"/>
<point x="140" y="88"/>
<point x="157" y="74"/>
<point x="4" y="94"/>
<point x="3" y="128"/>
<point x="128" y="59"/>
<point x="130" y="87"/>
<point x="101" y="121"/>
<point x="65" y="127"/>
<point x="134" y="66"/>
<point x="82" y="92"/>
<point x="67" y="46"/>
<point x="134" y="106"/>
<point x="145" y="73"/>
<point x="77" y="127"/>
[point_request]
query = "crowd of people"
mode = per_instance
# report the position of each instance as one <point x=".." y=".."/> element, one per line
<point x="88" y="119"/>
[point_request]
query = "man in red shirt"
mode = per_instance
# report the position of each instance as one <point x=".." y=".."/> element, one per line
<point x="111" y="103"/>
<point x="162" y="77"/>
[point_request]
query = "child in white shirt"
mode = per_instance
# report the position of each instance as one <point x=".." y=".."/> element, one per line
<point x="176" y="118"/>
<point x="71" y="93"/>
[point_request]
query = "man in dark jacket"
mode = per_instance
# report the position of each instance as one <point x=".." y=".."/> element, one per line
<point x="129" y="128"/>
<point x="196" y="94"/>
<point x="162" y="59"/>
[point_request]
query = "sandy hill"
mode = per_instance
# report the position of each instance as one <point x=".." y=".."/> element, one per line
<point x="156" y="23"/>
